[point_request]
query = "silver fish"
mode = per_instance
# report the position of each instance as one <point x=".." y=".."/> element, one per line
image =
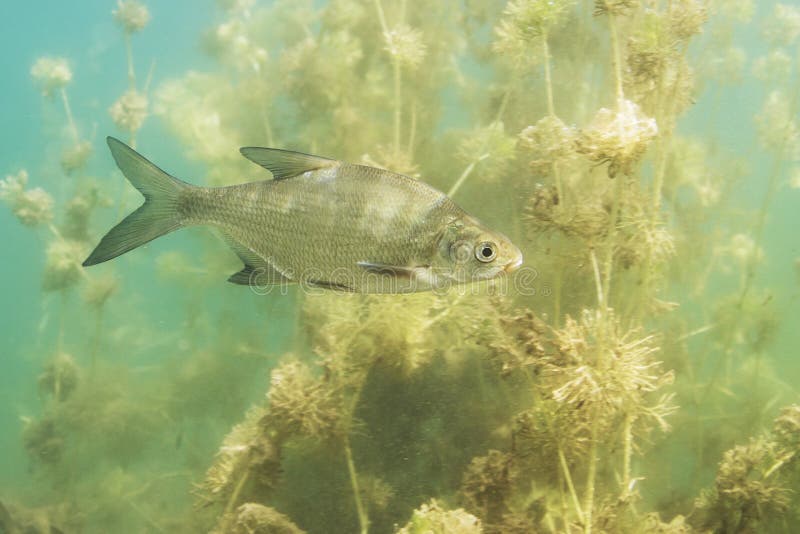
<point x="320" y="222"/>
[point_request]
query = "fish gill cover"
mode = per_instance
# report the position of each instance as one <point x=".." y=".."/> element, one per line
<point x="637" y="374"/>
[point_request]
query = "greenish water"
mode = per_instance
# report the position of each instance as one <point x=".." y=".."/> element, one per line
<point x="638" y="374"/>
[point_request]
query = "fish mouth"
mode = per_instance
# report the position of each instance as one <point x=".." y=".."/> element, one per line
<point x="513" y="265"/>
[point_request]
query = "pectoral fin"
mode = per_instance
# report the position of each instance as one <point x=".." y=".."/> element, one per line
<point x="402" y="279"/>
<point x="322" y="284"/>
<point x="392" y="270"/>
<point x="285" y="163"/>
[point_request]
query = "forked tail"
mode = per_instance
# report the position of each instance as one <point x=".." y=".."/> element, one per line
<point x="157" y="216"/>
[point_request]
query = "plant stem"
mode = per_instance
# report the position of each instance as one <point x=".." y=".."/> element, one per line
<point x="396" y="74"/>
<point x="363" y="520"/>
<point x="381" y="16"/>
<point x="73" y="130"/>
<point x="236" y="492"/>
<point x="129" y="56"/>
<point x="465" y="174"/>
<point x="663" y="112"/>
<point x="98" y="332"/>
<point x="598" y="284"/>
<point x="551" y="110"/>
<point x="267" y="127"/>
<point x="398" y="103"/>
<point x="412" y="130"/>
<point x="548" y="81"/>
<point x="57" y="384"/>
<point x="62" y="316"/>
<point x="557" y="299"/>
<point x="627" y="446"/>
<point x="616" y="57"/>
<point x="610" y="241"/>
<point x="570" y="485"/>
<point x="590" y="478"/>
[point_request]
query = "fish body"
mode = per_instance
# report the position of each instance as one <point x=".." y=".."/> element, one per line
<point x="320" y="222"/>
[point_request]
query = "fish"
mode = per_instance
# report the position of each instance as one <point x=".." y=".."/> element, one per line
<point x="319" y="222"/>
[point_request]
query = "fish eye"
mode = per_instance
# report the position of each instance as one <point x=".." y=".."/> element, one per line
<point x="486" y="252"/>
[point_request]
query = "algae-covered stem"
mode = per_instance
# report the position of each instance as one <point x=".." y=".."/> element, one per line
<point x="612" y="222"/>
<point x="398" y="104"/>
<point x="568" y="477"/>
<point x="591" y="475"/>
<point x="235" y="495"/>
<point x="73" y="129"/>
<point x="663" y="113"/>
<point x="412" y="130"/>
<point x="597" y="280"/>
<point x="564" y="466"/>
<point x="627" y="451"/>
<point x="464" y="175"/>
<point x="363" y="520"/>
<point x="145" y="89"/>
<point x="129" y="56"/>
<point x="592" y="469"/>
<point x="616" y="55"/>
<point x="397" y="80"/>
<point x="604" y="289"/>
<point x="551" y="109"/>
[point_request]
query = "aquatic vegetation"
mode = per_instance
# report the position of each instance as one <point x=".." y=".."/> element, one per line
<point x="75" y="157"/>
<point x="754" y="483"/>
<point x="627" y="378"/>
<point x="525" y="24"/>
<point x="618" y="138"/>
<point x="59" y="377"/>
<point x="63" y="264"/>
<point x="431" y="517"/>
<point x="254" y="518"/>
<point x="549" y="141"/>
<point x="777" y="126"/>
<point x="31" y="206"/>
<point x="782" y="28"/>
<point x="405" y="45"/>
<point x="52" y="74"/>
<point x="130" y="111"/>
<point x="494" y="148"/>
<point x="99" y="289"/>
<point x="131" y="15"/>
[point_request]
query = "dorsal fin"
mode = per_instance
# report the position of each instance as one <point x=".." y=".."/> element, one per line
<point x="285" y="163"/>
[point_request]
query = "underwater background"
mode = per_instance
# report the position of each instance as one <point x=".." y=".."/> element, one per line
<point x="639" y="374"/>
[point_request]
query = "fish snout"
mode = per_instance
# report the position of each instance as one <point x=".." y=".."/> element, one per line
<point x="515" y="263"/>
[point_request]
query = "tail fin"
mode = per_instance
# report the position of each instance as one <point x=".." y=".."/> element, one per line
<point x="156" y="217"/>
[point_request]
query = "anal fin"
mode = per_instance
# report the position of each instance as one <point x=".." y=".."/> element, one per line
<point x="391" y="270"/>
<point x="264" y="275"/>
<point x="257" y="271"/>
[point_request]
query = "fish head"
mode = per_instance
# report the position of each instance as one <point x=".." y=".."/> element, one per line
<point x="470" y="251"/>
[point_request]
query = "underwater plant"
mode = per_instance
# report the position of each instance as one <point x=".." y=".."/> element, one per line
<point x="754" y="485"/>
<point x="431" y="517"/>
<point x="31" y="206"/>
